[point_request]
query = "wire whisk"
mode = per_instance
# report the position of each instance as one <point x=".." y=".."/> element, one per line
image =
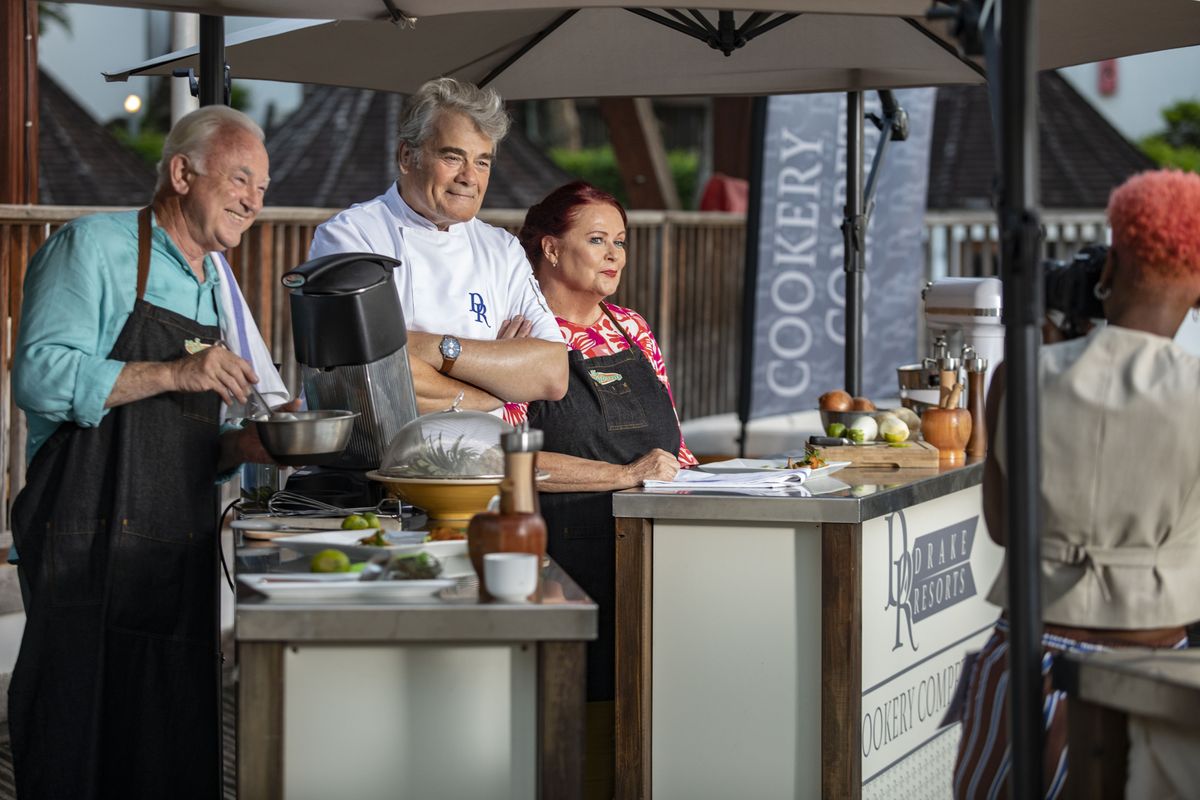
<point x="290" y="504"/>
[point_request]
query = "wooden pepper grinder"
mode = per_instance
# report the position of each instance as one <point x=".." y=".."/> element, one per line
<point x="976" y="374"/>
<point x="947" y="378"/>
<point x="518" y="527"/>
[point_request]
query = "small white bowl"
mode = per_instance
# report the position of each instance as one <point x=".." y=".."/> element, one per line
<point x="511" y="577"/>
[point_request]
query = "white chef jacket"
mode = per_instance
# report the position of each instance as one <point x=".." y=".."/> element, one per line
<point x="464" y="281"/>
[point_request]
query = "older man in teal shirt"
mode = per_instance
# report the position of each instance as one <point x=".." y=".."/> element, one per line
<point x="121" y="371"/>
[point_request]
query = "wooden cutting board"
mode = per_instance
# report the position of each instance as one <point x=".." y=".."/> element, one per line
<point x="917" y="455"/>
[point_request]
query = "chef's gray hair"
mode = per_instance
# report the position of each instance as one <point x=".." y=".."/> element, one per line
<point x="484" y="107"/>
<point x="192" y="136"/>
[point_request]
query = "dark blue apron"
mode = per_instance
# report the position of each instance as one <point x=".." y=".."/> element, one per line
<point x="116" y="689"/>
<point x="603" y="418"/>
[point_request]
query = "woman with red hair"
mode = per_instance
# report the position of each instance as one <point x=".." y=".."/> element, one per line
<point x="1120" y="548"/>
<point x="615" y="427"/>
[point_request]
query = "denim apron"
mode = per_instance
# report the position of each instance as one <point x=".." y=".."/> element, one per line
<point x="615" y="410"/>
<point x="116" y="688"/>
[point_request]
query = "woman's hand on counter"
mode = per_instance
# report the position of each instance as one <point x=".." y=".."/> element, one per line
<point x="574" y="474"/>
<point x="657" y="465"/>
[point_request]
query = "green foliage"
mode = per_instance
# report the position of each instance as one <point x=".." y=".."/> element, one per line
<point x="147" y="143"/>
<point x="1179" y="144"/>
<point x="53" y="13"/>
<point x="598" y="166"/>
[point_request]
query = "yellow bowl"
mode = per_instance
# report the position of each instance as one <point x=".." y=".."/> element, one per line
<point x="447" y="501"/>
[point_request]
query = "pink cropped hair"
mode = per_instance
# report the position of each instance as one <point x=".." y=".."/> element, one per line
<point x="1155" y="219"/>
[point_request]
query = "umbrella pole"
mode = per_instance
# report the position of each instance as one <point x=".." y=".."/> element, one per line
<point x="1023" y="304"/>
<point x="854" y="231"/>
<point x="214" y="88"/>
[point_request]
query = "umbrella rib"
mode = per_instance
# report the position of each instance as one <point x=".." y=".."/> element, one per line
<point x="945" y="46"/>
<point x="703" y="20"/>
<point x="525" y="48"/>
<point x="766" y="26"/>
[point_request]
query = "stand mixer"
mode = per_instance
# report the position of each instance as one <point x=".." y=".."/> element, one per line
<point x="959" y="313"/>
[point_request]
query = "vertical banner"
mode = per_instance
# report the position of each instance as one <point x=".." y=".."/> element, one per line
<point x="798" y="295"/>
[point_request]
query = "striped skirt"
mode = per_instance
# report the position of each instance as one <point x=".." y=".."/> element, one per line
<point x="984" y="758"/>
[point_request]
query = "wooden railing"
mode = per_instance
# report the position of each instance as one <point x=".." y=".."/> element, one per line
<point x="685" y="275"/>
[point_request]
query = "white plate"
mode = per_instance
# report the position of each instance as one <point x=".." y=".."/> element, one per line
<point x="376" y="475"/>
<point x="767" y="465"/>
<point x="328" y="588"/>
<point x="452" y="554"/>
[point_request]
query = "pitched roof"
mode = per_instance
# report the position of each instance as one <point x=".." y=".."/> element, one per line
<point x="79" y="162"/>
<point x="1082" y="156"/>
<point x="338" y="148"/>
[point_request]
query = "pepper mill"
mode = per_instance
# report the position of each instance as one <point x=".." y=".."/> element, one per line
<point x="976" y="373"/>
<point x="518" y="527"/>
<point x="948" y="378"/>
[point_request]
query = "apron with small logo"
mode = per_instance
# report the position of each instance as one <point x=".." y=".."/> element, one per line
<point x="616" y="410"/>
<point x="116" y="689"/>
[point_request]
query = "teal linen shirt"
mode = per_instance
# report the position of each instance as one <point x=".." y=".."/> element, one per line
<point x="79" y="290"/>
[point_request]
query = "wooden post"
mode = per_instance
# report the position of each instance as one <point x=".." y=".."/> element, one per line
<point x="19" y="132"/>
<point x="731" y="136"/>
<point x="641" y="157"/>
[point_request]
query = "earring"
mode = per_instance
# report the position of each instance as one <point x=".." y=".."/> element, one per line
<point x="554" y="263"/>
<point x="1102" y="293"/>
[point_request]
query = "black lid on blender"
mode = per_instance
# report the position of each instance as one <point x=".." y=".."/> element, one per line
<point x="345" y="309"/>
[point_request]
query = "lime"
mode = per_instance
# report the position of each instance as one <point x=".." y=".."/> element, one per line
<point x="355" y="522"/>
<point x="357" y="566"/>
<point x="856" y="435"/>
<point x="330" y="561"/>
<point x="895" y="438"/>
<point x="835" y="429"/>
<point x="372" y="520"/>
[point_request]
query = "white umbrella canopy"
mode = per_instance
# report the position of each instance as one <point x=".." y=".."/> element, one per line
<point x="534" y="49"/>
<point x="393" y="9"/>
<point x="594" y="52"/>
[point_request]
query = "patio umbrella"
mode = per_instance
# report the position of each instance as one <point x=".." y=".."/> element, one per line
<point x="529" y="49"/>
<point x="593" y="52"/>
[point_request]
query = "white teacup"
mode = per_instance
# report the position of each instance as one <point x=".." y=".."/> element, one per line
<point x="510" y="576"/>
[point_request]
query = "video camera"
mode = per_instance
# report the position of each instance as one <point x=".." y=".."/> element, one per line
<point x="1070" y="289"/>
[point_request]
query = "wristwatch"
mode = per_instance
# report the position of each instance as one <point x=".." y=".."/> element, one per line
<point x="451" y="349"/>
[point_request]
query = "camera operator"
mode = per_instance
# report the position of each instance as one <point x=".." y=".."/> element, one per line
<point x="1120" y="544"/>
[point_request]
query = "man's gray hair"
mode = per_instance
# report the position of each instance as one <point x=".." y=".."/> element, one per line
<point x="192" y="135"/>
<point x="484" y="107"/>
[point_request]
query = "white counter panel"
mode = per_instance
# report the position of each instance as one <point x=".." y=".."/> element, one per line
<point x="736" y="708"/>
<point x="374" y="723"/>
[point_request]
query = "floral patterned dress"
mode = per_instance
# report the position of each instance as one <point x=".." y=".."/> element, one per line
<point x="602" y="339"/>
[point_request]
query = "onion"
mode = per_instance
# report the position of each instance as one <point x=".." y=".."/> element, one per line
<point x="868" y="426"/>
<point x="836" y="400"/>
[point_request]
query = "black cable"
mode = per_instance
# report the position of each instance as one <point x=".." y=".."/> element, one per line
<point x="220" y="547"/>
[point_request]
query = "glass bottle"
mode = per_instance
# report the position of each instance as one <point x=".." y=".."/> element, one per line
<point x="518" y="526"/>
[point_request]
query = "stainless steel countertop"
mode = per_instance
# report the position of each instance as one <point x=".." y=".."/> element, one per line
<point x="565" y="613"/>
<point x="852" y="495"/>
<point x="1162" y="684"/>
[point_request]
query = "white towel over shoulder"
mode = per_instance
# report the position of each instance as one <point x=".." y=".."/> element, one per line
<point x="235" y="318"/>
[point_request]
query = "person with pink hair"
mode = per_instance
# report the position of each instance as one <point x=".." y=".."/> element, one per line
<point x="1120" y="544"/>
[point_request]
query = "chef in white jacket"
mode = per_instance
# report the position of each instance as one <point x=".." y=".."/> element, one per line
<point x="477" y="321"/>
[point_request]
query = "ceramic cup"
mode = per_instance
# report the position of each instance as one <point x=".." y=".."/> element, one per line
<point x="510" y="576"/>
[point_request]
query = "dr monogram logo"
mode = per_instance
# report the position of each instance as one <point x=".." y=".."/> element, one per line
<point x="479" y="308"/>
<point x="933" y="576"/>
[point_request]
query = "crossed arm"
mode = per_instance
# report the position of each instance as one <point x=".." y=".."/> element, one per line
<point x="513" y="367"/>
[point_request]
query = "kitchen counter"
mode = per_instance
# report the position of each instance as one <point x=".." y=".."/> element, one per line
<point x="448" y="696"/>
<point x="851" y="495"/>
<point x="798" y="645"/>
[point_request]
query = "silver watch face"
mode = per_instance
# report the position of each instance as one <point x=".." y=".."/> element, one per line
<point x="450" y="347"/>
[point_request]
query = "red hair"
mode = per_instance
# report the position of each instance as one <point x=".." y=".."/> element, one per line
<point x="1155" y="219"/>
<point x="557" y="211"/>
